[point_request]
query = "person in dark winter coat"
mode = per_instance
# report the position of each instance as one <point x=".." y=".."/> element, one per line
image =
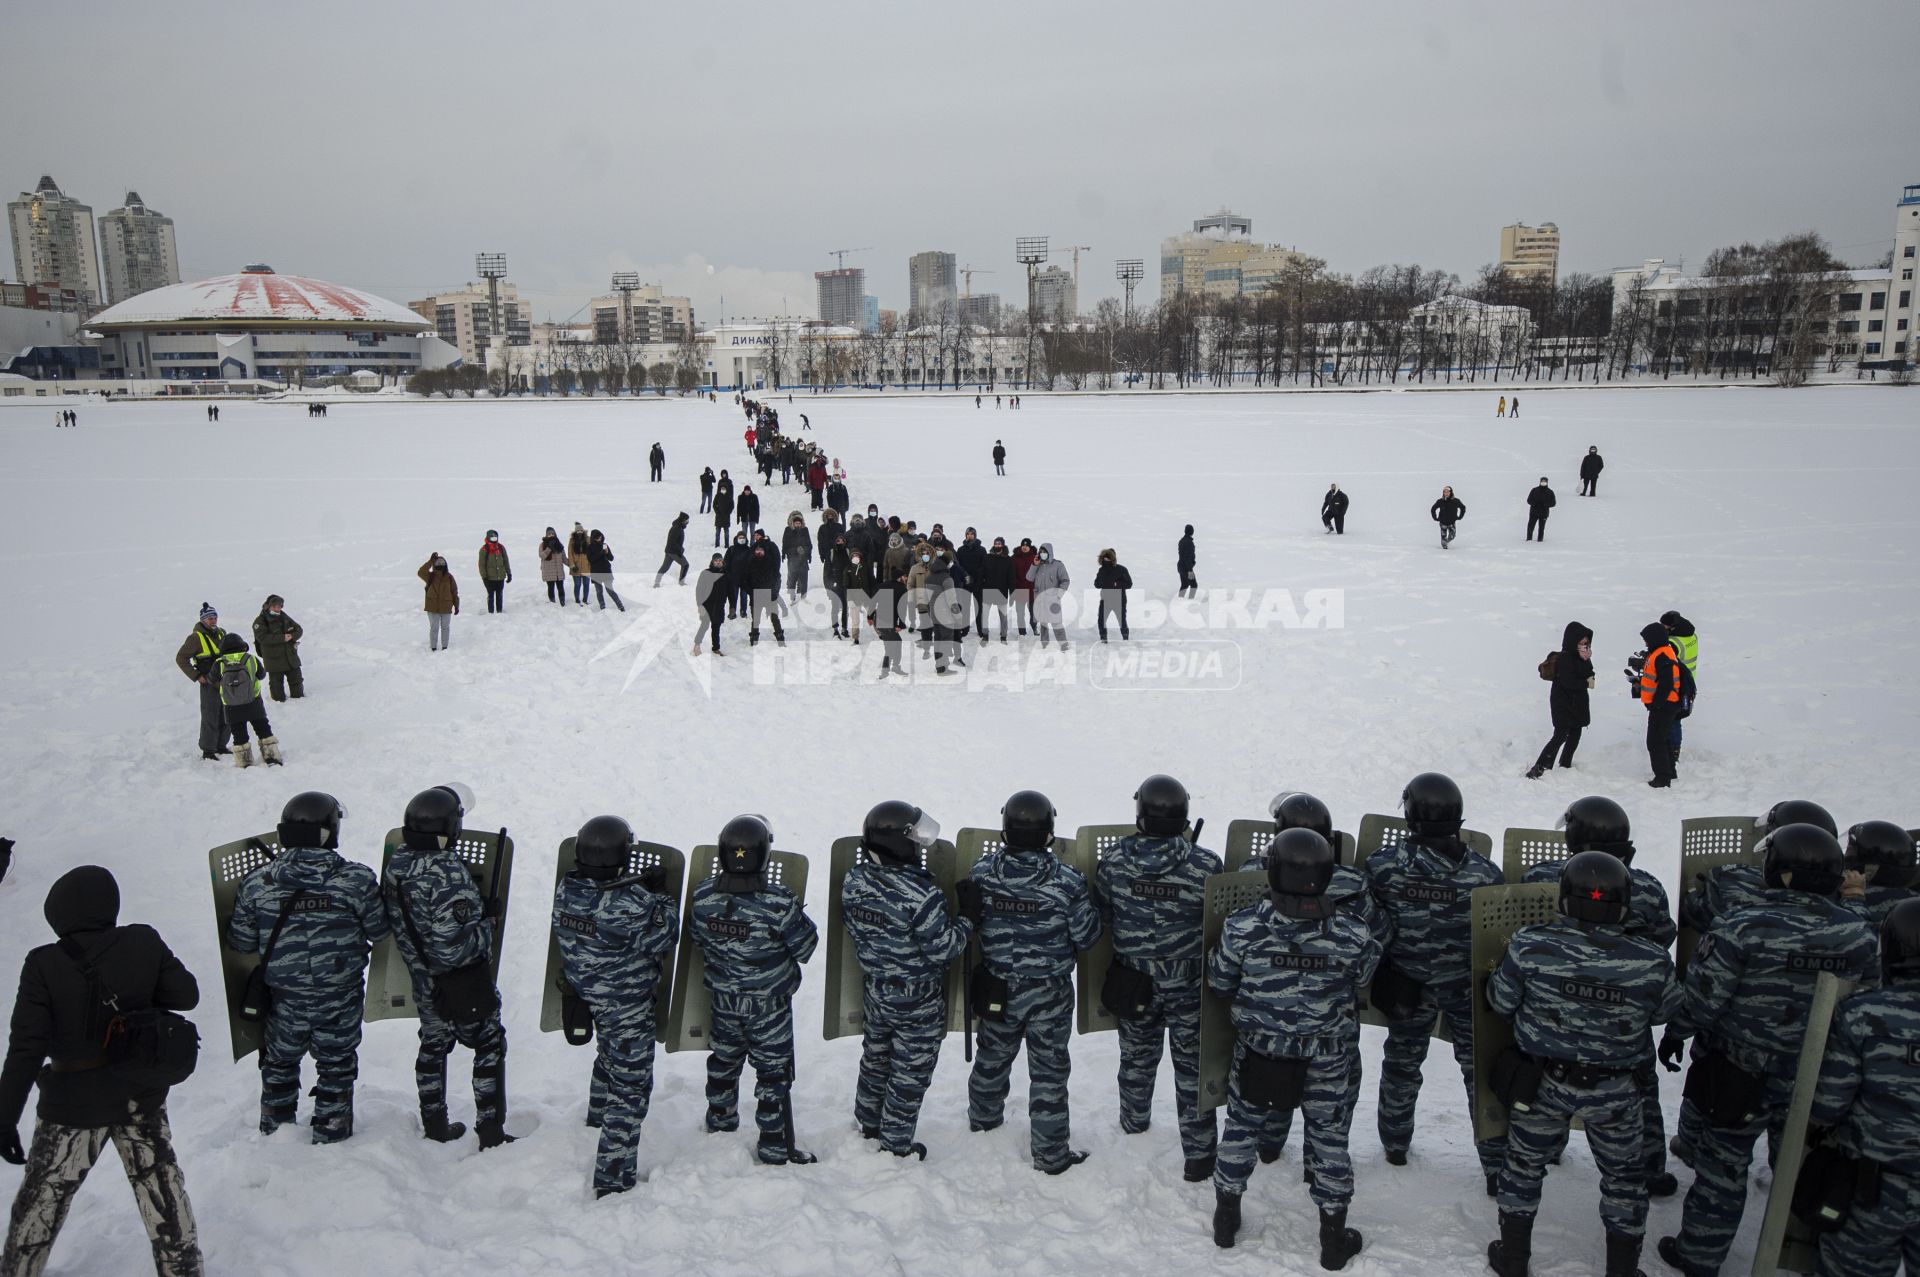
<point x="710" y="597"/>
<point x="1113" y="581"/>
<point x="796" y="547"/>
<point x="999" y="457"/>
<point x="276" y="638"/>
<point x="1447" y="512"/>
<point x="1590" y="467"/>
<point x="676" y="549"/>
<point x="1567" y="702"/>
<point x="600" y="564"/>
<point x="656" y="464"/>
<point x="970" y="558"/>
<point x="706" y="490"/>
<point x="1540" y="503"/>
<point x="739" y="564"/>
<point x="747" y="509"/>
<point x="1333" y="510"/>
<point x="763" y="580"/>
<point x="58" y="1018"/>
<point x="837" y="498"/>
<point x="553" y="567"/>
<point x="863" y="583"/>
<point x="722" y="512"/>
<point x="1189" y="584"/>
<point x="838" y="569"/>
<point x="997" y="583"/>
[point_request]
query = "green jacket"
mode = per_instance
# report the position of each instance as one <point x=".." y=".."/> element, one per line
<point x="247" y="661"/>
<point x="495" y="567"/>
<point x="277" y="640"/>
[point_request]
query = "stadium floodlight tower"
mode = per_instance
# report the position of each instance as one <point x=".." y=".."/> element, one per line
<point x="492" y="267"/>
<point x="1031" y="250"/>
<point x="625" y="282"/>
<point x="1129" y="271"/>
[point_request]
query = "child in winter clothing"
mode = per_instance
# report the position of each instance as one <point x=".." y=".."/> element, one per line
<point x="237" y="674"/>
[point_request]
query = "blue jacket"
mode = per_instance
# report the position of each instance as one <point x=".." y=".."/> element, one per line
<point x="1584" y="992"/>
<point x="1429" y="900"/>
<point x="1295" y="984"/>
<point x="1038" y="915"/>
<point x="334" y="920"/>
<point x="753" y="941"/>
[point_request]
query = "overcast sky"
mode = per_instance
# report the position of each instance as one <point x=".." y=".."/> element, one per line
<point x="725" y="148"/>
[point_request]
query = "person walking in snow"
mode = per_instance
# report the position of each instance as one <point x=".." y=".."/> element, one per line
<point x="1571" y="675"/>
<point x="1333" y="511"/>
<point x="1184" y="562"/>
<point x="1540" y="503"/>
<point x="238" y="673"/>
<point x="1501" y="411"/>
<point x="600" y="563"/>
<point x="676" y="550"/>
<point x="1447" y="512"/>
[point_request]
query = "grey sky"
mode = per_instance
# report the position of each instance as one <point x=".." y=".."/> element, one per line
<point x="381" y="145"/>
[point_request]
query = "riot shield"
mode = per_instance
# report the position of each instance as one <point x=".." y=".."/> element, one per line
<point x="1249" y="838"/>
<point x="1498" y="912"/>
<point x="1227" y="894"/>
<point x="1090" y="967"/>
<point x="844" y="1014"/>
<point x="969" y="846"/>
<point x="1706" y="843"/>
<point x="1522" y="849"/>
<point x="489" y="858"/>
<point x="1785" y="1240"/>
<point x="230" y="863"/>
<point x="644" y="856"/>
<point x="1377" y="831"/>
<point x="689" y="1024"/>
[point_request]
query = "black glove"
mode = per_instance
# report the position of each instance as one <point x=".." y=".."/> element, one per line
<point x="10" y="1151"/>
<point x="973" y="901"/>
<point x="1672" y="1047"/>
<point x="654" y="879"/>
<point x="6" y="857"/>
<point x="494" y="909"/>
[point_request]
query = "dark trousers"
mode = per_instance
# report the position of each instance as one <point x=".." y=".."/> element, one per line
<point x="1660" y="721"/>
<point x="706" y="502"/>
<point x="654" y="473"/>
<point x="603" y="590"/>
<point x="496" y="595"/>
<point x="764" y="602"/>
<point x="1115" y="602"/>
<point x="819" y="498"/>
<point x="213" y="720"/>
<point x="253" y="714"/>
<point x="557" y="592"/>
<point x="1588" y="486"/>
<point x="668" y="562"/>
<point x="1189" y="584"/>
<point x="1538" y="521"/>
<point x="1565" y="741"/>
<point x="282" y="683"/>
<point x="839" y="607"/>
<point x="994" y="604"/>
<point x="1335" y="523"/>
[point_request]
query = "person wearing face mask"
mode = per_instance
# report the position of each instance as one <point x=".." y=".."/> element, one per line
<point x="763" y="582"/>
<point x="443" y="601"/>
<point x="996" y="582"/>
<point x="1571" y="672"/>
<point x="495" y="571"/>
<point x="1024" y="557"/>
<point x="739" y="560"/>
<point x="710" y="597"/>
<point x="839" y="573"/>
<point x="863" y="581"/>
<point x="969" y="558"/>
<point x="1050" y="585"/>
<point x="553" y="567"/>
<point x="1113" y="581"/>
<point x="920" y="614"/>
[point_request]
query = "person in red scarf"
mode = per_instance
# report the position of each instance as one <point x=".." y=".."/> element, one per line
<point x="495" y="571"/>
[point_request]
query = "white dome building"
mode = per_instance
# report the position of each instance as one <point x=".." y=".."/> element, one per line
<point x="257" y="325"/>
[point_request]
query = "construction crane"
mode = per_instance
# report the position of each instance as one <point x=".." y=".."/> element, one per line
<point x="1076" y="250"/>
<point x="966" y="274"/>
<point x="841" y="254"/>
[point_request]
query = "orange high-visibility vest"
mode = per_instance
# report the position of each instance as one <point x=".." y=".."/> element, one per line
<point x="1648" y="680"/>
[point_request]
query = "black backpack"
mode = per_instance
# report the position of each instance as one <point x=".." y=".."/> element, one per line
<point x="149" y="1049"/>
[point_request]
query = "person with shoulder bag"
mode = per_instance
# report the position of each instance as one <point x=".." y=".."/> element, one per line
<point x="98" y="1006"/>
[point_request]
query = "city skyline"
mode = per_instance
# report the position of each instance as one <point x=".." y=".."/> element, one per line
<point x="1638" y="141"/>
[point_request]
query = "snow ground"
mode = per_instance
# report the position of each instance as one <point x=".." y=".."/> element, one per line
<point x="1781" y="522"/>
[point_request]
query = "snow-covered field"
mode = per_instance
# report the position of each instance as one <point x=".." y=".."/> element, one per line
<point x="1782" y="523"/>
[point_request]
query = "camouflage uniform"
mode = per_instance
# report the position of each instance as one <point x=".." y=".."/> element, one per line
<point x="1722" y="892"/>
<point x="318" y="977"/>
<point x="1427" y="898"/>
<point x="1878" y="903"/>
<point x="1869" y="1093"/>
<point x="1583" y="998"/>
<point x="1749" y="986"/>
<point x="1152" y="897"/>
<point x="1295" y="986"/>
<point x="1649" y="917"/>
<point x="904" y="940"/>
<point x="1038" y="915"/>
<point x="612" y="935"/>
<point x="449" y="913"/>
<point x="753" y="943"/>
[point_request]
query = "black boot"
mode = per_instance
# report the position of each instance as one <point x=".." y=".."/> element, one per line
<point x="1269" y="1153"/>
<point x="1623" y="1256"/>
<point x="1510" y="1254"/>
<point x="1669" y="1249"/>
<point x="1338" y="1243"/>
<point x="1198" y="1168"/>
<point x="1074" y="1158"/>
<point x="1662" y="1185"/>
<point x="1226" y="1218"/>
<point x="274" y="1116"/>
<point x="437" y="1128"/>
<point x="493" y="1133"/>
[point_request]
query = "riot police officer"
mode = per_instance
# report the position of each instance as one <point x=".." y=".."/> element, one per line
<point x="1583" y="993"/>
<point x="313" y="916"/>
<point x="754" y="935"/>
<point x="1869" y="1094"/>
<point x="1748" y="989"/>
<point x="1879" y="869"/>
<point x="1032" y="914"/>
<point x="1595" y="823"/>
<point x="445" y="930"/>
<point x="1293" y="966"/>
<point x="905" y="940"/>
<point x="1151" y="890"/>
<point x="1425" y="885"/>
<point x="613" y="928"/>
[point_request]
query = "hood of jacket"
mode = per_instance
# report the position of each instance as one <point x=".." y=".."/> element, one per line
<point x="1679" y="626"/>
<point x="82" y="899"/>
<point x="1574" y="635"/>
<point x="1019" y="867"/>
<point x="1046" y="548"/>
<point x="1159" y="856"/>
<point x="305" y="866"/>
<point x="1189" y="529"/>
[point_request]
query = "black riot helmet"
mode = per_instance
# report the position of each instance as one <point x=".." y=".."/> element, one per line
<point x="1803" y="857"/>
<point x="1883" y="851"/>
<point x="433" y="817"/>
<point x="1433" y="804"/>
<point x="1595" y="886"/>
<point x="898" y="833"/>
<point x="1299" y="867"/>
<point x="1027" y="821"/>
<point x="1797" y="811"/>
<point x="1160" y="807"/>
<point x="311" y="819"/>
<point x="746" y="844"/>
<point x="1595" y="823"/>
<point x="602" y="847"/>
<point x="1900" y="940"/>
<point x="1296" y="810"/>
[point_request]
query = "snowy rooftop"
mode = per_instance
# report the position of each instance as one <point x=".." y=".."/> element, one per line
<point x="1684" y="283"/>
<point x="257" y="296"/>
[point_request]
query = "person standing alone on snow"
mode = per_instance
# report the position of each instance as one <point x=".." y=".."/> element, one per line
<point x="1184" y="559"/>
<point x="1113" y="581"/>
<point x="495" y="571"/>
<point x="1447" y="512"/>
<point x="1590" y="467"/>
<point x="443" y="601"/>
<point x="1540" y="503"/>
<point x="1571" y="676"/>
<point x="999" y="455"/>
<point x="1333" y="510"/>
<point x="656" y="464"/>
